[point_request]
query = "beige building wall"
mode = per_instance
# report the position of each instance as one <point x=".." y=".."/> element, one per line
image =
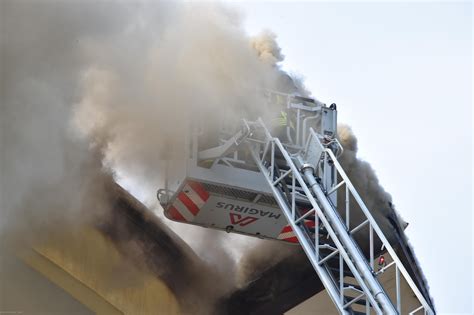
<point x="85" y="274"/>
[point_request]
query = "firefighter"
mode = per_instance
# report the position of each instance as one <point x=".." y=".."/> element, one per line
<point x="281" y="123"/>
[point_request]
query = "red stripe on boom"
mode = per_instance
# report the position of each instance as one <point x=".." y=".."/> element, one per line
<point x="188" y="203"/>
<point x="197" y="187"/>
<point x="175" y="214"/>
<point x="293" y="239"/>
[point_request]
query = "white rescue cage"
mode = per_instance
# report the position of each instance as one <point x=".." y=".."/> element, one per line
<point x="222" y="187"/>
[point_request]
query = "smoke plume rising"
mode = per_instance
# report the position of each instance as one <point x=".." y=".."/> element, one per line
<point x="95" y="90"/>
<point x="200" y="63"/>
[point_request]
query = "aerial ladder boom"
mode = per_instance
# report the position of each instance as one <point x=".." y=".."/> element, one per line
<point x="285" y="187"/>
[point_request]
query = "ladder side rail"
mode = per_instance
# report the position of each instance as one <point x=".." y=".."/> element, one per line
<point x="375" y="286"/>
<point x="380" y="234"/>
<point x="338" y="224"/>
<point x="321" y="216"/>
<point x="307" y="246"/>
<point x="352" y="247"/>
<point x="378" y="231"/>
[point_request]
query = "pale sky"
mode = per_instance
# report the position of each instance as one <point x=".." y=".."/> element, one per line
<point x="401" y="74"/>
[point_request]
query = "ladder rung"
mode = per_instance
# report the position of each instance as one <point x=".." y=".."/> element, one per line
<point x="350" y="286"/>
<point x="281" y="177"/>
<point x="331" y="255"/>
<point x="416" y="310"/>
<point x="335" y="188"/>
<point x="326" y="246"/>
<point x="304" y="216"/>
<point x="385" y="268"/>
<point x="360" y="301"/>
<point x="357" y="228"/>
<point x="354" y="300"/>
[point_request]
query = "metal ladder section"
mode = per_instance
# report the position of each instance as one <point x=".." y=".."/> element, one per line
<point x="348" y="276"/>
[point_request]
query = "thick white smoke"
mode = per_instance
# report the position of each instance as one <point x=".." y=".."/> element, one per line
<point x="94" y="89"/>
<point x="45" y="170"/>
<point x="90" y="89"/>
<point x="138" y="105"/>
<point x="140" y="91"/>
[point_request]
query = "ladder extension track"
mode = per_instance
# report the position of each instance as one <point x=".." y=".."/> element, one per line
<point x="343" y="249"/>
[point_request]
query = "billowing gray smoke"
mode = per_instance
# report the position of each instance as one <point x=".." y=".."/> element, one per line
<point x="201" y="62"/>
<point x="45" y="169"/>
<point x="364" y="178"/>
<point x="91" y="90"/>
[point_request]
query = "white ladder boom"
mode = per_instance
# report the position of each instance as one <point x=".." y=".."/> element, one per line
<point x="295" y="174"/>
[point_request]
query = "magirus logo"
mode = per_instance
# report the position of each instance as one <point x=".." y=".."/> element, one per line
<point x="237" y="219"/>
<point x="247" y="210"/>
